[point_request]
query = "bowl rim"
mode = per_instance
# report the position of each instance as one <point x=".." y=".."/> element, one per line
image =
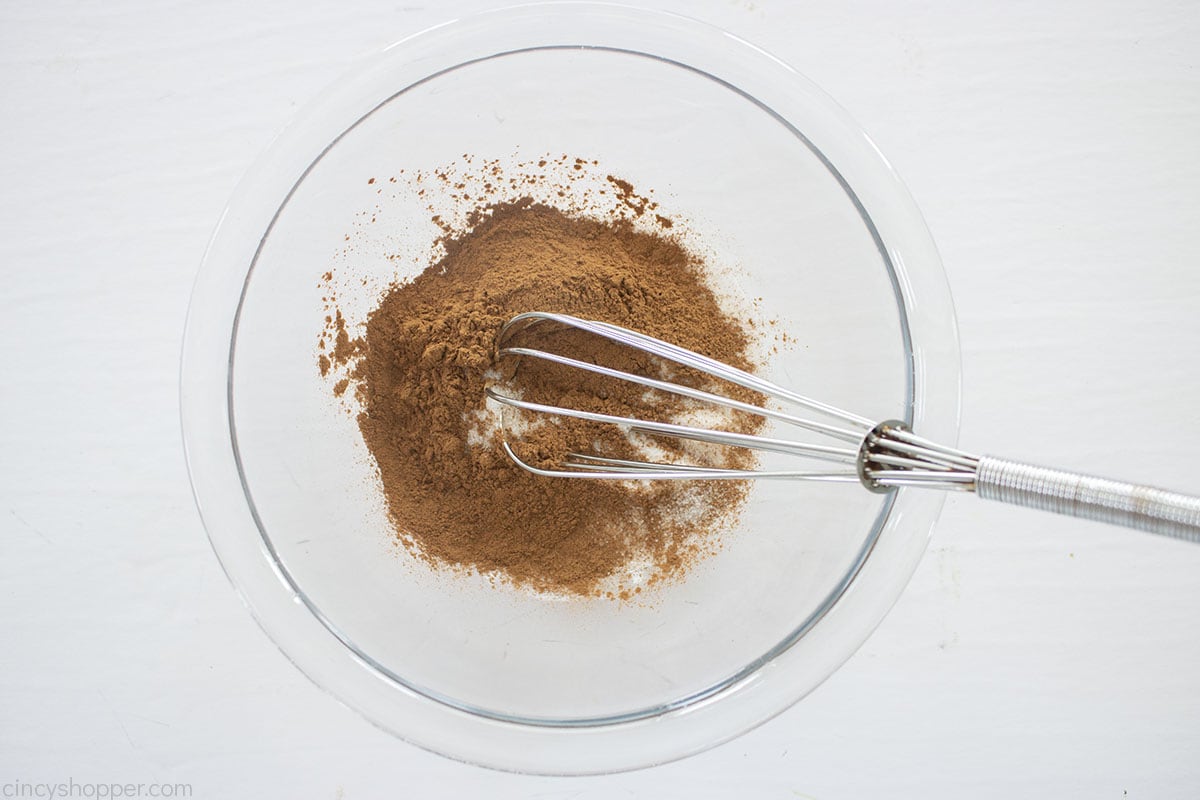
<point x="761" y="689"/>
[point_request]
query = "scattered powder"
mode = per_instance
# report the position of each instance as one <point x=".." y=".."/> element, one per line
<point x="419" y="372"/>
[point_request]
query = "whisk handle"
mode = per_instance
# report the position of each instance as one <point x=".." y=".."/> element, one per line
<point x="1134" y="506"/>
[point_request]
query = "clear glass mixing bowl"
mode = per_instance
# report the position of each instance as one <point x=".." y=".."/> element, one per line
<point x="798" y="205"/>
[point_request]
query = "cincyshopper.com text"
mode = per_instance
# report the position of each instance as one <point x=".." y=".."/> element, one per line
<point x="103" y="790"/>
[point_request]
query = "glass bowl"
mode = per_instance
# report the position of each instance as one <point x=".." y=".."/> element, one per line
<point x="796" y="206"/>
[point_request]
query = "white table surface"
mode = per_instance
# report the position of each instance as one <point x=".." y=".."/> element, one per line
<point x="1053" y="149"/>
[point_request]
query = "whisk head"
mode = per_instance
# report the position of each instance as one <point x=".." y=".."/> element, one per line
<point x="881" y="456"/>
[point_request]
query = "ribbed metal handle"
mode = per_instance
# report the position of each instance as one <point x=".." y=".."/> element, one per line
<point x="1142" y="507"/>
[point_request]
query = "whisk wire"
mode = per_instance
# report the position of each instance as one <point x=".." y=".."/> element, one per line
<point x="693" y="433"/>
<point x="597" y="467"/>
<point x="686" y="391"/>
<point x="687" y="358"/>
<point x="885" y="456"/>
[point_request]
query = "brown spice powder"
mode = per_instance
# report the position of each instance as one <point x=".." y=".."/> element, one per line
<point x="429" y="352"/>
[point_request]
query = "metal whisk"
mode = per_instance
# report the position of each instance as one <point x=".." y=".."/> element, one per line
<point x="882" y="456"/>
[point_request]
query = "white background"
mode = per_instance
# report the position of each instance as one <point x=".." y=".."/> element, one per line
<point x="1053" y="149"/>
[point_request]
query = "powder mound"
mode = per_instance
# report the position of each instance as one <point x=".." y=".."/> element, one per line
<point x="428" y="353"/>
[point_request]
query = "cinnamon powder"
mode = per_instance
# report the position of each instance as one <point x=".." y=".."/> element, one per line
<point x="428" y="353"/>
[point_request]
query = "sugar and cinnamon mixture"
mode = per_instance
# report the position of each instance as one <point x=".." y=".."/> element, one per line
<point x="419" y="369"/>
